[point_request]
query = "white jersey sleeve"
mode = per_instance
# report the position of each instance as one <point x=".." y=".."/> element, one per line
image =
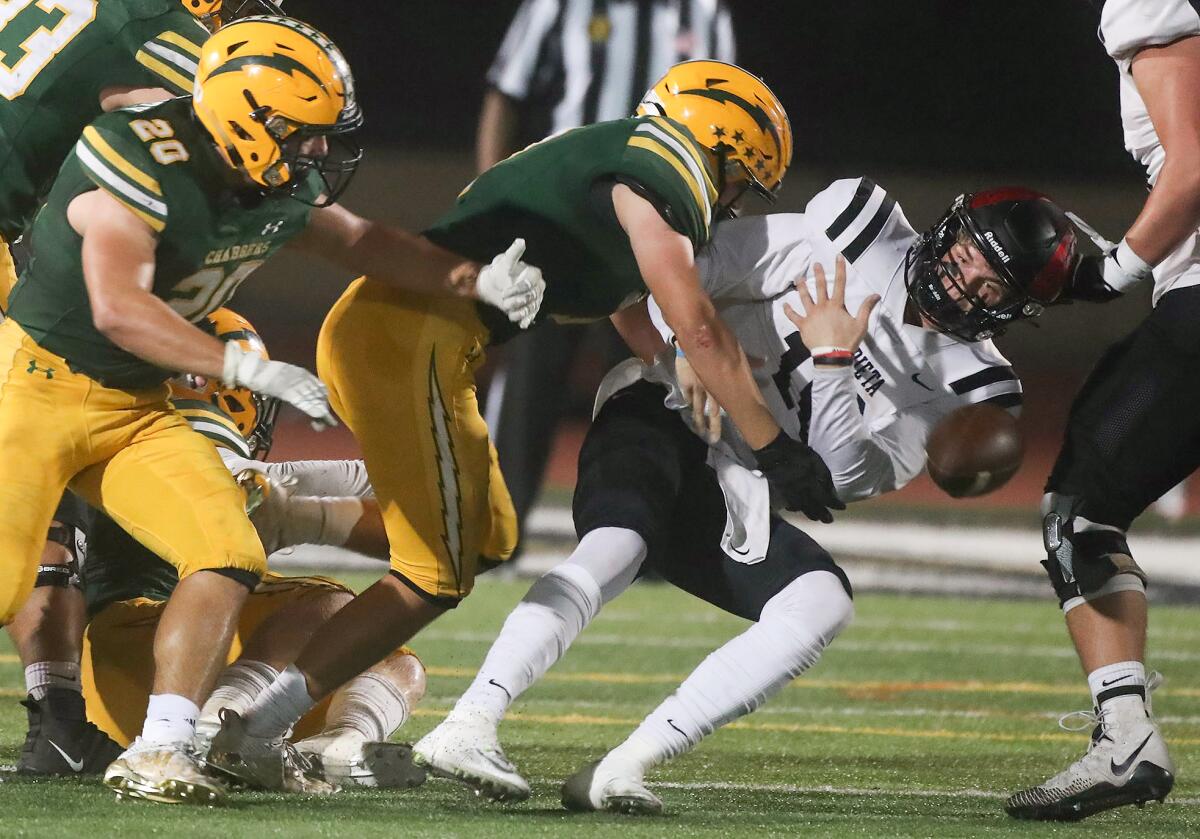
<point x="512" y="72"/>
<point x="1127" y="26"/>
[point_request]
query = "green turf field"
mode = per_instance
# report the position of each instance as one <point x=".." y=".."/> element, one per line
<point x="918" y="720"/>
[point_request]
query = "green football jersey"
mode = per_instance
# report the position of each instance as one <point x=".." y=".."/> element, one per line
<point x="56" y="56"/>
<point x="556" y="195"/>
<point x="119" y="567"/>
<point x="159" y="162"/>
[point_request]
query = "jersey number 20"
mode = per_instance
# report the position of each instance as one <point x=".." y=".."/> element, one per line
<point x="31" y="34"/>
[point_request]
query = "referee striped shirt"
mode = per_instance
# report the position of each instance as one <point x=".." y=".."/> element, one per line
<point x="575" y="62"/>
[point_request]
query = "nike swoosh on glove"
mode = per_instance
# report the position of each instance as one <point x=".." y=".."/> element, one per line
<point x="292" y="384"/>
<point x="800" y="475"/>
<point x="512" y="286"/>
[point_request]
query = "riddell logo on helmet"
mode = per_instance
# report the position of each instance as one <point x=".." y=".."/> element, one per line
<point x="996" y="246"/>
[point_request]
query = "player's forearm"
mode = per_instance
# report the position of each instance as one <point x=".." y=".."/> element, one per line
<point x="718" y="360"/>
<point x="1172" y="211"/>
<point x="497" y="128"/>
<point x="860" y="467"/>
<point x="145" y="326"/>
<point x="639" y="332"/>
<point x="411" y="262"/>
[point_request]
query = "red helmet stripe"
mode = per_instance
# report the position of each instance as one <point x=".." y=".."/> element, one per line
<point x="1051" y="280"/>
<point x="1004" y="193"/>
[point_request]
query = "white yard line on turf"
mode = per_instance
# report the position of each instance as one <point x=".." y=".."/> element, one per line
<point x="832" y="790"/>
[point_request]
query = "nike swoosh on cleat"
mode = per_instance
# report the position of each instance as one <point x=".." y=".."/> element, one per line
<point x="1108" y="682"/>
<point x="1119" y="769"/>
<point x="76" y="765"/>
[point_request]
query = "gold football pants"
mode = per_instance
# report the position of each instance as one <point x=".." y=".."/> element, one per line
<point x="125" y="452"/>
<point x="400" y="368"/>
<point x="118" y="653"/>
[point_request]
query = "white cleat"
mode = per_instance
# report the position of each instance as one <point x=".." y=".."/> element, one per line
<point x="169" y="774"/>
<point x="263" y="764"/>
<point x="1126" y="763"/>
<point x="346" y="758"/>
<point x="601" y="787"/>
<point x="467" y="749"/>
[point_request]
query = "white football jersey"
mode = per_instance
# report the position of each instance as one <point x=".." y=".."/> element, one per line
<point x="869" y="422"/>
<point x="1126" y="27"/>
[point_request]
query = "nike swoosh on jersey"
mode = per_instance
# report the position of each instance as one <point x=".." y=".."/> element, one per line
<point x="916" y="377"/>
<point x="76" y="765"/>
<point x="1119" y="769"/>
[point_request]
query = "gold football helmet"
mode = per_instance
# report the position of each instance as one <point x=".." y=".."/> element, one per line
<point x="252" y="413"/>
<point x="277" y="98"/>
<point x="212" y="13"/>
<point x="731" y="112"/>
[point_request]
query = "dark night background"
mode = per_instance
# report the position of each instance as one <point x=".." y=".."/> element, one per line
<point x="928" y="97"/>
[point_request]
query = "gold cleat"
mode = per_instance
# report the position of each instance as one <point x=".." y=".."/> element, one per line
<point x="168" y="774"/>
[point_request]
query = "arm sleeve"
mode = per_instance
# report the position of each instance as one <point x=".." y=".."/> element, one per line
<point x="513" y="71"/>
<point x="324" y="478"/>
<point x="864" y="464"/>
<point x="1127" y="26"/>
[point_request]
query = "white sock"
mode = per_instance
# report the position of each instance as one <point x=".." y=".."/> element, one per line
<point x="237" y="687"/>
<point x="794" y="627"/>
<point x="43" y="675"/>
<point x="277" y="708"/>
<point x="1120" y="687"/>
<point x="369" y="705"/>
<point x="551" y="615"/>
<point x="170" y="718"/>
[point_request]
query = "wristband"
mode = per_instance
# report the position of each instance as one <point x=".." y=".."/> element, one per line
<point x="1133" y="265"/>
<point x="832" y="356"/>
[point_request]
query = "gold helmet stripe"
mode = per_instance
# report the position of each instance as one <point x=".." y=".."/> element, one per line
<point x="756" y="112"/>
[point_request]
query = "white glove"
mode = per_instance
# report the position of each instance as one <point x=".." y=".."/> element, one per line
<point x="706" y="412"/>
<point x="292" y="384"/>
<point x="512" y="286"/>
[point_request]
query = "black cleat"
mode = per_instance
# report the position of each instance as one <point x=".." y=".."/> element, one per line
<point x="61" y="740"/>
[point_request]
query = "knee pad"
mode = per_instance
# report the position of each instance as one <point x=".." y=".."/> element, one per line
<point x="814" y="605"/>
<point x="1081" y="563"/>
<point x="569" y="592"/>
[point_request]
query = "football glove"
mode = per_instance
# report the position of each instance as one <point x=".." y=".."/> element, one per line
<point x="292" y="384"/>
<point x="799" y="475"/>
<point x="1098" y="279"/>
<point x="512" y="286"/>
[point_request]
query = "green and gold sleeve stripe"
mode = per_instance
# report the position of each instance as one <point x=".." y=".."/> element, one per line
<point x="172" y="56"/>
<point x="693" y="150"/>
<point x="213" y="423"/>
<point x="122" y="179"/>
<point x="678" y="155"/>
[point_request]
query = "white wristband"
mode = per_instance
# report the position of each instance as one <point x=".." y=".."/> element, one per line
<point x="1134" y="269"/>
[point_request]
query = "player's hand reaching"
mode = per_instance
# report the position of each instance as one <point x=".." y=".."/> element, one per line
<point x="512" y="286"/>
<point x="826" y="322"/>
<point x="1106" y="276"/>
<point x="706" y="413"/>
<point x="799" y="475"/>
<point x="292" y="384"/>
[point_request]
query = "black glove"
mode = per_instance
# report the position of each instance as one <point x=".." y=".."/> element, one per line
<point x="800" y="476"/>
<point x="1087" y="281"/>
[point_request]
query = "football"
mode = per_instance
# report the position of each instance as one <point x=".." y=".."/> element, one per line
<point x="974" y="450"/>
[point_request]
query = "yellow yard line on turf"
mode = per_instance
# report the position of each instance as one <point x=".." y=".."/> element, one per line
<point x="865" y="687"/>
<point x="799" y="728"/>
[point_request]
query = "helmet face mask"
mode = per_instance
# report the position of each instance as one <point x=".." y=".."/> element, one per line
<point x="214" y="13"/>
<point x="266" y="88"/>
<point x="1028" y="244"/>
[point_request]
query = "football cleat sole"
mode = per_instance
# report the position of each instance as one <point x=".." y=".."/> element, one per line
<point x="1148" y="783"/>
<point x="383" y="766"/>
<point x="576" y="797"/>
<point x="168" y="792"/>
<point x="482" y="785"/>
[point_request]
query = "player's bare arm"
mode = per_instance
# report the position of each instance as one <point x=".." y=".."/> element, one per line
<point x="636" y="329"/>
<point x="118" y="266"/>
<point x="669" y="270"/>
<point x="1167" y="78"/>
<point x="122" y="96"/>
<point x="411" y="262"/>
<point x="494" y="140"/>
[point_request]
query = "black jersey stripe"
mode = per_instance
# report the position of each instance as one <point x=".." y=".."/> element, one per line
<point x="871" y="232"/>
<point x="861" y="196"/>
<point x="982" y="378"/>
<point x="591" y="100"/>
<point x="1005" y="400"/>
